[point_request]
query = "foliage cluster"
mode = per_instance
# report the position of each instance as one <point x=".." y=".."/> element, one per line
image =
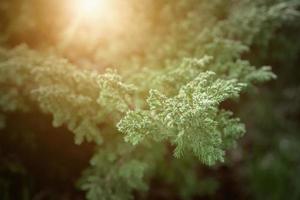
<point x="142" y="95"/>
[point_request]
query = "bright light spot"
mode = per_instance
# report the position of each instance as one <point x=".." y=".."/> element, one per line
<point x="95" y="21"/>
<point x="89" y="6"/>
<point x="91" y="10"/>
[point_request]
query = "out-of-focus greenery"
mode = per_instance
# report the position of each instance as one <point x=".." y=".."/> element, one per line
<point x="272" y="115"/>
<point x="163" y="80"/>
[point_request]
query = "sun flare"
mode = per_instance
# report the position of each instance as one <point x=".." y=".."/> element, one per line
<point x="92" y="9"/>
<point x="90" y="20"/>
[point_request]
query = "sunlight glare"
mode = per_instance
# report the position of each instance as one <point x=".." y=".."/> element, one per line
<point x="92" y="9"/>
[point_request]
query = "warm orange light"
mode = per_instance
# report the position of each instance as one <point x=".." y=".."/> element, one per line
<point x="94" y="20"/>
<point x="91" y="10"/>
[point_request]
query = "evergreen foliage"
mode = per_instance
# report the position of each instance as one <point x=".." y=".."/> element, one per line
<point x="139" y="95"/>
<point x="191" y="120"/>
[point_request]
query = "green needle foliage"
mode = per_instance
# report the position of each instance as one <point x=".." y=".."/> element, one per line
<point x="191" y="120"/>
<point x="162" y="93"/>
